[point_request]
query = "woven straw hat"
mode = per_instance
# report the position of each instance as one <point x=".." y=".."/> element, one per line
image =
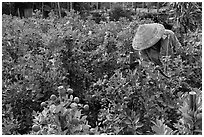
<point x="147" y="35"/>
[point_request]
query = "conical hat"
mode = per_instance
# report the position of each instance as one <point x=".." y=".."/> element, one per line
<point x="147" y="35"/>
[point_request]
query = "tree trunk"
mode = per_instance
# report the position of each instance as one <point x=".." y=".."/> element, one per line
<point x="71" y="6"/>
<point x="43" y="14"/>
<point x="143" y="5"/>
<point x="135" y="4"/>
<point x="132" y="5"/>
<point x="158" y="7"/>
<point x="10" y="8"/>
<point x="148" y="6"/>
<point x="123" y="5"/>
<point x="28" y="12"/>
<point x="58" y="4"/>
<point x="68" y="6"/>
<point x="42" y="7"/>
<point x="18" y="12"/>
<point x="96" y="5"/>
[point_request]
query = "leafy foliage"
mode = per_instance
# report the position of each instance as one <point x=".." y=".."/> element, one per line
<point x="62" y="115"/>
<point x="43" y="58"/>
<point x="187" y="15"/>
<point x="118" y="12"/>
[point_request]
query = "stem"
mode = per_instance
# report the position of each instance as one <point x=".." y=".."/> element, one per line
<point x="192" y="107"/>
<point x="167" y="50"/>
<point x="71" y="6"/>
<point x="192" y="99"/>
<point x="131" y="58"/>
<point x="19" y="13"/>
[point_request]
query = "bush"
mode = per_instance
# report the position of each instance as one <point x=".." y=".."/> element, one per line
<point x="55" y="60"/>
<point x="63" y="116"/>
<point x="118" y="12"/>
<point x="98" y="16"/>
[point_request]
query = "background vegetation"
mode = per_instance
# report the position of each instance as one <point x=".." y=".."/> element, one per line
<point x="72" y="74"/>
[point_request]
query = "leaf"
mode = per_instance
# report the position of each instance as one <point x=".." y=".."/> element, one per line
<point x="83" y="118"/>
<point x="186" y="116"/>
<point x="58" y="108"/>
<point x="73" y="105"/>
<point x="52" y="108"/>
<point x="35" y="120"/>
<point x="78" y="128"/>
<point x="117" y="129"/>
<point x="34" y="113"/>
<point x="45" y="111"/>
<point x="198" y="131"/>
<point x="139" y="125"/>
<point x="184" y="108"/>
<point x="159" y="122"/>
<point x="199" y="117"/>
<point x="168" y="131"/>
<point x="56" y="118"/>
<point x="198" y="123"/>
<point x="171" y="106"/>
<point x="128" y="122"/>
<point x="158" y="130"/>
<point x="44" y="132"/>
<point x="77" y="114"/>
<point x="137" y="119"/>
<point x="130" y="126"/>
<point x="159" y="127"/>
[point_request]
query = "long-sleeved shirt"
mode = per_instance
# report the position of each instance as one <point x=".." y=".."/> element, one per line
<point x="169" y="44"/>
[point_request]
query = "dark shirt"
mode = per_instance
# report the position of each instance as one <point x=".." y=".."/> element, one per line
<point x="166" y="46"/>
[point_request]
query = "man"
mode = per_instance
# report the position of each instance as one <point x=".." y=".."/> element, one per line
<point x="153" y="41"/>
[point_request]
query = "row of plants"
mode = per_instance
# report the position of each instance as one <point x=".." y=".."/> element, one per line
<point x="73" y="76"/>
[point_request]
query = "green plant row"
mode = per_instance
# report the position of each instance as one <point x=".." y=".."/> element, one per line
<point x="70" y="76"/>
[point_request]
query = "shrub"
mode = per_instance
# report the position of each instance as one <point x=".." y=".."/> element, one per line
<point x="67" y="58"/>
<point x="60" y="118"/>
<point x="118" y="12"/>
